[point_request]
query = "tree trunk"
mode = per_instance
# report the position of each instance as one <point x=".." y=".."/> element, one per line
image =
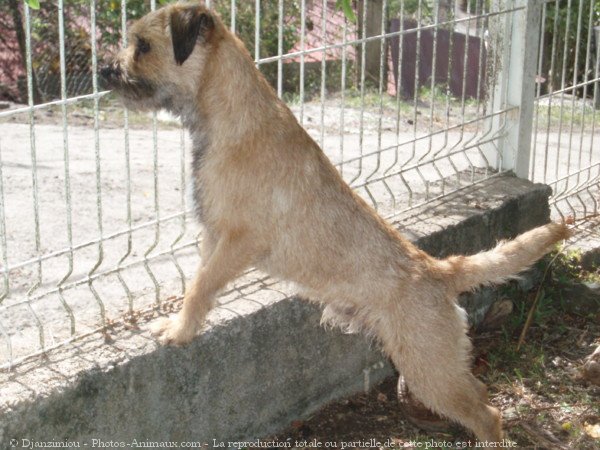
<point x="20" y="32"/>
<point x="372" y="26"/>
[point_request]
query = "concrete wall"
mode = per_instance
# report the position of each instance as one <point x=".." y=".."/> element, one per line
<point x="253" y="371"/>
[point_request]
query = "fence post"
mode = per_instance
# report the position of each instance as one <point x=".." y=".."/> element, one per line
<point x="372" y="27"/>
<point x="514" y="85"/>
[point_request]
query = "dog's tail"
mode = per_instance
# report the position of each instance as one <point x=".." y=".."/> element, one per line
<point x="504" y="261"/>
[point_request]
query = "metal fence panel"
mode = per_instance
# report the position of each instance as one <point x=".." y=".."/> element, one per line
<point x="565" y="152"/>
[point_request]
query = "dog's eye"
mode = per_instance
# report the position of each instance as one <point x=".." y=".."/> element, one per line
<point x="143" y="46"/>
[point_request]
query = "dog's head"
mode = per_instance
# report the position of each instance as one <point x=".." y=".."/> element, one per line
<point x="165" y="57"/>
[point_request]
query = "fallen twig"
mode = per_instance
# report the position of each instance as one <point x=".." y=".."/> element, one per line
<point x="543" y="437"/>
<point x="536" y="301"/>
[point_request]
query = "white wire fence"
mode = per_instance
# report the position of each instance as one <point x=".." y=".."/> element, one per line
<point x="414" y="101"/>
<point x="566" y="149"/>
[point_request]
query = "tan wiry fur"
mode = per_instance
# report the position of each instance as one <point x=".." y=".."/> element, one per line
<point x="268" y="197"/>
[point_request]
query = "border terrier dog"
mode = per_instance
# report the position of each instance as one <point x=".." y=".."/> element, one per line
<point x="268" y="197"/>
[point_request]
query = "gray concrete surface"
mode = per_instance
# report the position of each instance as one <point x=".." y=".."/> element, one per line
<point x="263" y="361"/>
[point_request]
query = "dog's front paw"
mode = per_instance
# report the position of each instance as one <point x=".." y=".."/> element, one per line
<point x="173" y="331"/>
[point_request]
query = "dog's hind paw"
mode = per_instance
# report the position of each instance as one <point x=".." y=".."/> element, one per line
<point x="171" y="331"/>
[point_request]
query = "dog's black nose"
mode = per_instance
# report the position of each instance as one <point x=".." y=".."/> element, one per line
<point x="110" y="72"/>
<point x="105" y="71"/>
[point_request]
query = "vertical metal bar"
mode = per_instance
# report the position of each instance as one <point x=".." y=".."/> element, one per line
<point x="127" y="175"/>
<point x="596" y="178"/>
<point x="257" y="32"/>
<point x="588" y="59"/>
<point x="363" y="62"/>
<point x="436" y="13"/>
<point x="463" y="95"/>
<point x="415" y="103"/>
<point x="494" y="81"/>
<point x="233" y="18"/>
<point x="154" y="244"/>
<point x="463" y="87"/>
<point x="480" y="32"/>
<point x="573" y="94"/>
<point x="381" y="90"/>
<point x="551" y="96"/>
<point x="595" y="101"/>
<point x="98" y="163"/>
<point x="398" y="90"/>
<point x="416" y="82"/>
<point x="280" y="49"/>
<point x="433" y="87"/>
<point x="323" y="69"/>
<point x="499" y="33"/>
<point x="563" y="83"/>
<point x="532" y="174"/>
<point x="182" y="225"/>
<point x="34" y="180"/>
<point x="63" y="95"/>
<point x="343" y="95"/>
<point x="447" y="107"/>
<point x="482" y="76"/>
<point x="302" y="49"/>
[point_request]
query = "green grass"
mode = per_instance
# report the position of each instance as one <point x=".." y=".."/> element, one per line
<point x="554" y="117"/>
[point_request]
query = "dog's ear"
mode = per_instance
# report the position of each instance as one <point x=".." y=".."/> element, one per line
<point x="188" y="25"/>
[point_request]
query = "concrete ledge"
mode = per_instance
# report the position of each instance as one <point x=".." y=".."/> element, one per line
<point x="264" y="361"/>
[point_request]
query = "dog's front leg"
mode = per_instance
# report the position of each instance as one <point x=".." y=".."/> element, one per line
<point x="209" y="243"/>
<point x="231" y="254"/>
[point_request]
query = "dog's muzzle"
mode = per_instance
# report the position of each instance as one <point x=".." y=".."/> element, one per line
<point x="110" y="74"/>
<point x="132" y="89"/>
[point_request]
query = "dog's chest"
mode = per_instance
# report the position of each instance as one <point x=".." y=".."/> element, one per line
<point x="200" y="145"/>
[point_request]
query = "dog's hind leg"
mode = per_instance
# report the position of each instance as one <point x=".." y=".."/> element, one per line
<point x="431" y="350"/>
<point x="231" y="254"/>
